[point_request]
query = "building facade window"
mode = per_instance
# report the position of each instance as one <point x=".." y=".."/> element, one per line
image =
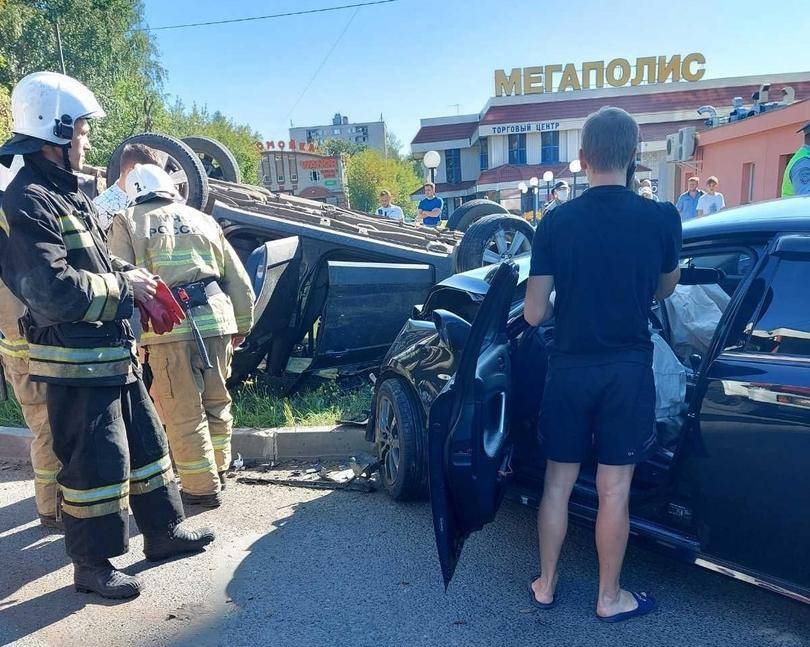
<point x="483" y="153"/>
<point x="279" y="168"/>
<point x="550" y="147"/>
<point x="292" y="165"/>
<point x="336" y="131"/>
<point x="517" y="149"/>
<point x="747" y="193"/>
<point x="314" y="176"/>
<point x="452" y="159"/>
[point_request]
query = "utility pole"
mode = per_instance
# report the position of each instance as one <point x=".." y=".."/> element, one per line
<point x="58" y="35"/>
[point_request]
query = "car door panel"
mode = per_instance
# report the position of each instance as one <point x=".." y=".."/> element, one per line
<point x="753" y="482"/>
<point x="469" y="444"/>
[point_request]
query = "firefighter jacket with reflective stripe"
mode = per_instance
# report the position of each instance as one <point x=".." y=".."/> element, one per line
<point x="183" y="245"/>
<point x="54" y="258"/>
<point x="12" y="343"/>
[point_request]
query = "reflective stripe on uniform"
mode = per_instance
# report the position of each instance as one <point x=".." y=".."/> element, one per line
<point x="114" y="491"/>
<point x="97" y="509"/>
<point x="4" y="222"/>
<point x="67" y="355"/>
<point x="196" y="467"/>
<point x="105" y="297"/>
<point x="14" y="348"/>
<point x="45" y="476"/>
<point x="220" y="442"/>
<point x="152" y="483"/>
<point x="142" y="473"/>
<point x="244" y="321"/>
<point x="208" y="323"/>
<point x="190" y="257"/>
<point x="73" y="363"/>
<point x="74" y="232"/>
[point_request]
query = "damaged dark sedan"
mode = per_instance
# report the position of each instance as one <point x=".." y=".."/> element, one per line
<point x="457" y="399"/>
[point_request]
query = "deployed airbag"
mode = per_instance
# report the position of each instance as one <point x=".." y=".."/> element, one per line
<point x="670" y="380"/>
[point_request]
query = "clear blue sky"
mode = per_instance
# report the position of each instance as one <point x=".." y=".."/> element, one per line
<point x="412" y="59"/>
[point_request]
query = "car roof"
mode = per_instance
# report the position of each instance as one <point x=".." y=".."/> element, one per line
<point x="783" y="214"/>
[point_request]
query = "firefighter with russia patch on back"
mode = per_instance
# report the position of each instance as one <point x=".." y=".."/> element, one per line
<point x="187" y="248"/>
<point x="78" y="299"/>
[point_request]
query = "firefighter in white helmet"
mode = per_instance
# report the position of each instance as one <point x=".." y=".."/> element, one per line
<point x="188" y="250"/>
<point x="54" y="259"/>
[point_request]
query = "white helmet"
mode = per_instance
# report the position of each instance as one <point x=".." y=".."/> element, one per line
<point x="46" y="105"/>
<point x="147" y="181"/>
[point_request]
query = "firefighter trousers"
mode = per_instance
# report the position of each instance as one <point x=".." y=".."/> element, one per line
<point x="114" y="455"/>
<point x="31" y="397"/>
<point x="195" y="406"/>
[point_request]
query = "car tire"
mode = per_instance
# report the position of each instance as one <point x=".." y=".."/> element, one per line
<point x="482" y="245"/>
<point x="470" y="211"/>
<point x="181" y="158"/>
<point x="399" y="434"/>
<point x="210" y="151"/>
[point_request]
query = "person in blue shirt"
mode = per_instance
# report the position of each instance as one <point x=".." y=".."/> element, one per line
<point x="430" y="207"/>
<point x="687" y="201"/>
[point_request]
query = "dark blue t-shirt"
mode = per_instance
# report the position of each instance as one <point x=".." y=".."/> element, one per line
<point x="606" y="251"/>
<point x="429" y="204"/>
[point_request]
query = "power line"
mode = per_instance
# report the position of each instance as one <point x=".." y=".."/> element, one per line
<point x="267" y="17"/>
<point x="323" y="62"/>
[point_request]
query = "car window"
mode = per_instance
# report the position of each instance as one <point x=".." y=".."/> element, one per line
<point x="456" y="301"/>
<point x="782" y="324"/>
<point x="734" y="264"/>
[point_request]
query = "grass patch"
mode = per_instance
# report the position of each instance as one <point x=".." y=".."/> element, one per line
<point x="10" y="412"/>
<point x="261" y="404"/>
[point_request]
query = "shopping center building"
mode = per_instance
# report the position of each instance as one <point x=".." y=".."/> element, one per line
<point x="532" y="127"/>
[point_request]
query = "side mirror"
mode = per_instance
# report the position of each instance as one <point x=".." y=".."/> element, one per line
<point x="695" y="360"/>
<point x="453" y="330"/>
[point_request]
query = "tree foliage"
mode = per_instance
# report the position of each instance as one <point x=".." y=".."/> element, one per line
<point x="340" y="147"/>
<point x="368" y="172"/>
<point x="106" y="48"/>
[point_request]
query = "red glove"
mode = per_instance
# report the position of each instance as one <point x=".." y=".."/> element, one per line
<point x="162" y="310"/>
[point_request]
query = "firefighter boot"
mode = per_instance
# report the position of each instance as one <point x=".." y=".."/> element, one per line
<point x="100" y="576"/>
<point x="51" y="523"/>
<point x="204" y="500"/>
<point x="176" y="541"/>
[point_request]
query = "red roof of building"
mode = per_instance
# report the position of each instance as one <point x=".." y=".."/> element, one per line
<point x="633" y="103"/>
<point x="445" y="132"/>
<point x="315" y="192"/>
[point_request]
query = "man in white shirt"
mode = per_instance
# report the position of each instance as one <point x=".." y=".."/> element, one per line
<point x="115" y="199"/>
<point x="388" y="210"/>
<point x="712" y="201"/>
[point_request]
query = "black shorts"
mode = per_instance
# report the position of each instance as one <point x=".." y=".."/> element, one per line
<point x="611" y="406"/>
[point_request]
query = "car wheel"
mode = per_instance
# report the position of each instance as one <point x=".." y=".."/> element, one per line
<point x="181" y="163"/>
<point x="400" y="438"/>
<point x="218" y="162"/>
<point x="493" y="239"/>
<point x="473" y="210"/>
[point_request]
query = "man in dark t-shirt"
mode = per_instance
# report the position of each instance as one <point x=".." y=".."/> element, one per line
<point x="607" y="254"/>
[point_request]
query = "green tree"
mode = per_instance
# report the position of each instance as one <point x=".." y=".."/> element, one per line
<point x="368" y="172"/>
<point x="240" y="139"/>
<point x="106" y="48"/>
<point x="5" y="114"/>
<point x="340" y="147"/>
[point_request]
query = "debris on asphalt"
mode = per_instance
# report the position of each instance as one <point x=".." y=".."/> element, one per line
<point x="355" y="477"/>
<point x="238" y="463"/>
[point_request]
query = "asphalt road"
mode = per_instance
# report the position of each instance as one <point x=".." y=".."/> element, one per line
<point x="301" y="567"/>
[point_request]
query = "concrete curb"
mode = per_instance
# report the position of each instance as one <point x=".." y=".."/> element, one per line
<point x="276" y="444"/>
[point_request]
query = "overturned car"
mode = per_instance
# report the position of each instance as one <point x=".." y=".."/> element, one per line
<point x="333" y="285"/>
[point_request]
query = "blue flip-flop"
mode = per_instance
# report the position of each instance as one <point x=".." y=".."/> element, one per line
<point x="646" y="604"/>
<point x="535" y="602"/>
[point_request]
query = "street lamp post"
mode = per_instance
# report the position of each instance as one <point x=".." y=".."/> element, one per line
<point x="533" y="182"/>
<point x="524" y="188"/>
<point x="575" y="167"/>
<point x="548" y="178"/>
<point x="431" y="160"/>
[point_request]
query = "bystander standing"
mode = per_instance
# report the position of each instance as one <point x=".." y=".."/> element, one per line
<point x="648" y="193"/>
<point x="387" y="209"/>
<point x="712" y="201"/>
<point x="430" y="207"/>
<point x="688" y="200"/>
<point x="559" y="194"/>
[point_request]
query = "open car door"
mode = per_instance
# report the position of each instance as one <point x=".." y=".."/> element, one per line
<point x="469" y="447"/>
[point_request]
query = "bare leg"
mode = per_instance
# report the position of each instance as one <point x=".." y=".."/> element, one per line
<point x="612" y="530"/>
<point x="552" y="524"/>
